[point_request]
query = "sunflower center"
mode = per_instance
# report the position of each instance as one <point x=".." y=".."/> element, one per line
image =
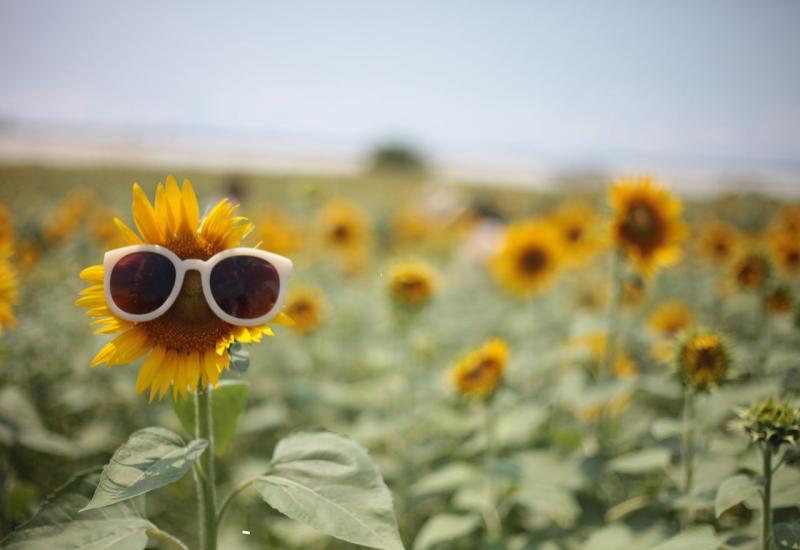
<point x="189" y="325"/>
<point x="486" y="366"/>
<point x="750" y="272"/>
<point x="574" y="234"/>
<point x="642" y="226"/>
<point x="341" y="233"/>
<point x="532" y="260"/>
<point x="301" y="308"/>
<point x="793" y="258"/>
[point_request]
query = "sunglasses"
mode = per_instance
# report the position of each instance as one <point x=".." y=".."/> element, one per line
<point x="243" y="286"/>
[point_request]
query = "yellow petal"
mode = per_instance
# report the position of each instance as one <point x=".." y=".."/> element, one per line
<point x="127" y="233"/>
<point x="93" y="274"/>
<point x="149" y="369"/>
<point x="192" y="212"/>
<point x="145" y="217"/>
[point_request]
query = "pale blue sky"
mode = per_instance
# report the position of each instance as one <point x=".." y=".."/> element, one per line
<point x="568" y="81"/>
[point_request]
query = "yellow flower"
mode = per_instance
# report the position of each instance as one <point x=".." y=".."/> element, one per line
<point x="69" y="216"/>
<point x="305" y="305"/>
<point x="785" y="248"/>
<point x="788" y="220"/>
<point x="103" y="229"/>
<point x="529" y="257"/>
<point x="345" y="231"/>
<point x="479" y="372"/>
<point x="412" y="226"/>
<point x="702" y="359"/>
<point x="279" y="234"/>
<point x="647" y="223"/>
<point x="751" y="270"/>
<point x="576" y="224"/>
<point x="188" y="346"/>
<point x="412" y="283"/>
<point x="778" y="299"/>
<point x="717" y="242"/>
<point x="9" y="288"/>
<point x="7" y="234"/>
<point x="670" y="318"/>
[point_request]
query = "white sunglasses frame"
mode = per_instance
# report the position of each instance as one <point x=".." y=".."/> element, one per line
<point x="282" y="265"/>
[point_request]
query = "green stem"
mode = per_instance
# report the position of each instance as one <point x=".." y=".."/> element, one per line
<point x="687" y="451"/>
<point x="614" y="307"/>
<point x="232" y="495"/>
<point x="204" y="471"/>
<point x="494" y="525"/>
<point x="766" y="531"/>
<point x="157" y="533"/>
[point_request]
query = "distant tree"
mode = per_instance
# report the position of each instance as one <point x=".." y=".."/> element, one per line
<point x="397" y="158"/>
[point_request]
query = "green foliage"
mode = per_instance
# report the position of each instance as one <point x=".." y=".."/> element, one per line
<point x="228" y="401"/>
<point x="396" y="158"/>
<point x="327" y="481"/>
<point x="732" y="491"/>
<point x="151" y="458"/>
<point x="445" y="528"/>
<point x="786" y="536"/>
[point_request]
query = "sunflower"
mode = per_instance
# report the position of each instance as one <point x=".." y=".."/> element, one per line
<point x="412" y="283"/>
<point x="772" y="422"/>
<point x="576" y="224"/>
<point x="412" y="226"/>
<point x="778" y="299"/>
<point x="785" y="248"/>
<point x="69" y="216"/>
<point x="7" y="234"/>
<point x="529" y="257"/>
<point x="278" y="233"/>
<point x="345" y="231"/>
<point x="751" y="270"/>
<point x="188" y="346"/>
<point x="702" y="359"/>
<point x="717" y="242"/>
<point x="479" y="372"/>
<point x="9" y="288"/>
<point x="103" y="229"/>
<point x="670" y="318"/>
<point x="305" y="305"/>
<point x="788" y="220"/>
<point x="647" y="223"/>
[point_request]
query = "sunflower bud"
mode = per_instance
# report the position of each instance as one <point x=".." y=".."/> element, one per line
<point x="772" y="422"/>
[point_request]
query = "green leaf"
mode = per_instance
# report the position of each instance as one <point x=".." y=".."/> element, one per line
<point x="329" y="482"/>
<point x="446" y="479"/>
<point x="444" y="528"/>
<point x="151" y="458"/>
<point x="228" y="401"/>
<point x="640" y="462"/>
<point x="698" y="538"/>
<point x="732" y="491"/>
<point x="59" y="525"/>
<point x="611" y="536"/>
<point x="20" y="424"/>
<point x="239" y="357"/>
<point x="786" y="536"/>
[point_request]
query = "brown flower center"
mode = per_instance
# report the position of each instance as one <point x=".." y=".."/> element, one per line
<point x="751" y="272"/>
<point x="642" y="227"/>
<point x="574" y="234"/>
<point x="341" y="233"/>
<point x="532" y="260"/>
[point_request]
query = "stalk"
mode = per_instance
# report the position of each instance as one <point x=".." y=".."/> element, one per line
<point x="494" y="525"/>
<point x="204" y="471"/>
<point x="614" y="307"/>
<point x="687" y="451"/>
<point x="766" y="530"/>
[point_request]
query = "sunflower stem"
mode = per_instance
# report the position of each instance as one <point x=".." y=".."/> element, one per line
<point x="204" y="470"/>
<point x="766" y="530"/>
<point x="687" y="451"/>
<point x="614" y="307"/>
<point x="494" y="525"/>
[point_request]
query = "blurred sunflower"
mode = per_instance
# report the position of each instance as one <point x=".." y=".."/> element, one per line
<point x="717" y="242"/>
<point x="670" y="318"/>
<point x="788" y="220"/>
<point x="9" y="288"/>
<point x="412" y="226"/>
<point x="188" y="345"/>
<point x="345" y="231"/>
<point x="751" y="270"/>
<point x="778" y="299"/>
<point x="479" y="372"/>
<point x="646" y="223"/>
<point x="305" y="305"/>
<point x="785" y="248"/>
<point x="576" y="224"/>
<point x="278" y="233"/>
<point x="69" y="216"/>
<point x="103" y="229"/>
<point x="529" y="257"/>
<point x="412" y="283"/>
<point x="702" y="359"/>
<point x="7" y="234"/>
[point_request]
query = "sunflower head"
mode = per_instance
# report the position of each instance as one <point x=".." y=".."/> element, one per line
<point x="529" y="257"/>
<point x="7" y="234"/>
<point x="9" y="288"/>
<point x="478" y="374"/>
<point x="576" y="224"/>
<point x="343" y="226"/>
<point x="702" y="359"/>
<point x="751" y="270"/>
<point x="412" y="283"/>
<point x="779" y="299"/>
<point x="69" y="216"/>
<point x="785" y="248"/>
<point x="646" y="223"/>
<point x="788" y="220"/>
<point x="278" y="233"/>
<point x="717" y="242"/>
<point x="187" y="347"/>
<point x="670" y="318"/>
<point x="772" y="422"/>
<point x="305" y="305"/>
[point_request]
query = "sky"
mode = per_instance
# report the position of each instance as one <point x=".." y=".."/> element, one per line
<point x="564" y="82"/>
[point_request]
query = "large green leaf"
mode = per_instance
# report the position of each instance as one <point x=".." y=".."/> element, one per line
<point x="640" y="462"/>
<point x="329" y="482"/>
<point x="696" y="538"/>
<point x="786" y="536"/>
<point x="59" y="525"/>
<point x="446" y="479"/>
<point x="228" y="401"/>
<point x="732" y="491"/>
<point x="151" y="458"/>
<point x="445" y="528"/>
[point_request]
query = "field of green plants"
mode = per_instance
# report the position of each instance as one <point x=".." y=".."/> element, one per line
<point x="607" y="366"/>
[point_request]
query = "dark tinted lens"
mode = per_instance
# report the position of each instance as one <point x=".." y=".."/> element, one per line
<point x="141" y="282"/>
<point x="245" y="287"/>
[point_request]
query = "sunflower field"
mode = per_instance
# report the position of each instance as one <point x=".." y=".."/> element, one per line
<point x="605" y="365"/>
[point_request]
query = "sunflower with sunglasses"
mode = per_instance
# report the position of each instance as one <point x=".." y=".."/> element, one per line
<point x="182" y="291"/>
